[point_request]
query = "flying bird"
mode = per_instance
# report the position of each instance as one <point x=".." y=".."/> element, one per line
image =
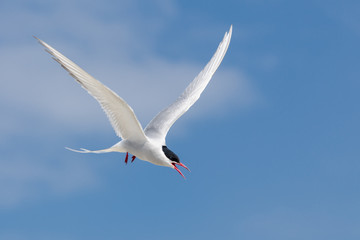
<point x="148" y="144"/>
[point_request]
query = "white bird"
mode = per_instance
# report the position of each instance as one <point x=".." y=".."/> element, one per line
<point x="148" y="144"/>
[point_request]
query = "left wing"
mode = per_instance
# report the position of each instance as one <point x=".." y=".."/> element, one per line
<point x="160" y="125"/>
<point x="120" y="114"/>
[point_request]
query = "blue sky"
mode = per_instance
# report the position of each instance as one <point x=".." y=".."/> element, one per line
<point x="273" y="143"/>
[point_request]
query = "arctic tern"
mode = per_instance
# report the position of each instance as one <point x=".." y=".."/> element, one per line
<point x="148" y="144"/>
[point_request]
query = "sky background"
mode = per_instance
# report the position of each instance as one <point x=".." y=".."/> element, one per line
<point x="273" y="142"/>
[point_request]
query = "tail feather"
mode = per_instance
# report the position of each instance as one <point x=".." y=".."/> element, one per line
<point x="83" y="150"/>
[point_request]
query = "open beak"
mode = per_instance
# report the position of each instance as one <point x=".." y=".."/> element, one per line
<point x="180" y="164"/>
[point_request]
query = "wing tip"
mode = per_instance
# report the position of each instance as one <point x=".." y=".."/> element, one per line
<point x="229" y="33"/>
<point x="47" y="47"/>
<point x="38" y="39"/>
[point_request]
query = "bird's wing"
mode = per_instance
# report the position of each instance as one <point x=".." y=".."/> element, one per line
<point x="161" y="123"/>
<point x="120" y="114"/>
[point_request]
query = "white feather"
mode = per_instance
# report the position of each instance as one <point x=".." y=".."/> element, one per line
<point x="159" y="126"/>
<point x="120" y="114"/>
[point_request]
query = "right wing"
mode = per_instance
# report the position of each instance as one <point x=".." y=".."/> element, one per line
<point x="120" y="114"/>
<point x="160" y="125"/>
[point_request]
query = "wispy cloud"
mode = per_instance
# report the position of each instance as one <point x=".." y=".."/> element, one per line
<point x="345" y="13"/>
<point x="290" y="223"/>
<point x="114" y="53"/>
<point x="24" y="180"/>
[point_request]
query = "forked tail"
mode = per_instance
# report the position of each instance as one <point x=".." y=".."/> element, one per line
<point x="83" y="150"/>
<point x="118" y="147"/>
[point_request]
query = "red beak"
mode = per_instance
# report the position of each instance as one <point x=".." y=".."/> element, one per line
<point x="180" y="164"/>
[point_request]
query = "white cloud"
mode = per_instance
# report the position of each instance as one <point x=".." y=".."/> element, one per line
<point x="117" y="54"/>
<point x="45" y="88"/>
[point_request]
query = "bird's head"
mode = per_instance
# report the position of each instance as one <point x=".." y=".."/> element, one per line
<point x="174" y="159"/>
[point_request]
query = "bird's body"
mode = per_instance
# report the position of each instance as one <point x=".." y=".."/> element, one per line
<point x="148" y="150"/>
<point x="148" y="144"/>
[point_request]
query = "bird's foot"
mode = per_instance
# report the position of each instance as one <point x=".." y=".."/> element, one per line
<point x="127" y="157"/>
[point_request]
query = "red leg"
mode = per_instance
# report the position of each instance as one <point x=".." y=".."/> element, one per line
<point x="133" y="158"/>
<point x="126" y="158"/>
